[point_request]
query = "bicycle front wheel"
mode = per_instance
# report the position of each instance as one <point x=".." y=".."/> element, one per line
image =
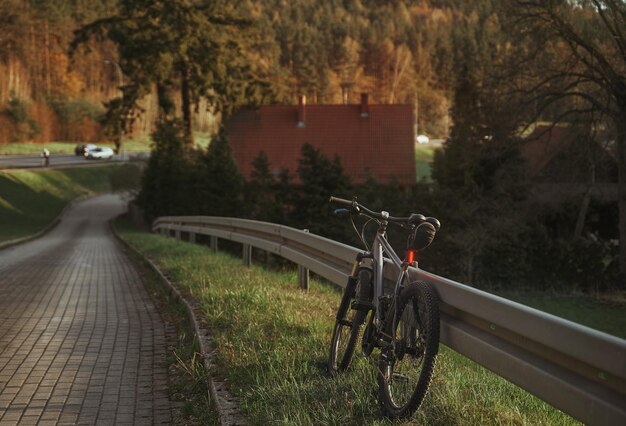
<point x="350" y="317"/>
<point x="406" y="365"/>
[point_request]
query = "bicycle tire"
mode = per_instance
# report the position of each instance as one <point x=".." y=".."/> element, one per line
<point x="350" y="317"/>
<point x="406" y="366"/>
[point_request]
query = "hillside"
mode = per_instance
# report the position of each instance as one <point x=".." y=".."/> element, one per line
<point x="399" y="52"/>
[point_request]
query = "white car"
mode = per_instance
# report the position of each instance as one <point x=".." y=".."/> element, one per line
<point x="422" y="139"/>
<point x="105" y="153"/>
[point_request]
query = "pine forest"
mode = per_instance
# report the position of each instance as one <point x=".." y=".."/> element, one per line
<point x="482" y="75"/>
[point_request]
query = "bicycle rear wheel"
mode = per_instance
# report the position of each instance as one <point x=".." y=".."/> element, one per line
<point x="406" y="366"/>
<point x="351" y="315"/>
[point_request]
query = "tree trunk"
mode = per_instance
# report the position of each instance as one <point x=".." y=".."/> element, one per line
<point x="582" y="214"/>
<point x="186" y="106"/>
<point x="47" y="58"/>
<point x="621" y="191"/>
<point x="584" y="206"/>
<point x="166" y="105"/>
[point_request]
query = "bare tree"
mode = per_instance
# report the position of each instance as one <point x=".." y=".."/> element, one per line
<point x="570" y="59"/>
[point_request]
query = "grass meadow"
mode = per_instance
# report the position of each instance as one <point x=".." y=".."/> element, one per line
<point x="271" y="342"/>
<point x="423" y="161"/>
<point x="30" y="199"/>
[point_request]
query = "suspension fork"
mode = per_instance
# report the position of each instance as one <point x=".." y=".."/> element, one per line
<point x="396" y="293"/>
<point x="352" y="280"/>
<point x="378" y="278"/>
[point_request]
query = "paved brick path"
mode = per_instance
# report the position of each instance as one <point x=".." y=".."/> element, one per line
<point x="80" y="339"/>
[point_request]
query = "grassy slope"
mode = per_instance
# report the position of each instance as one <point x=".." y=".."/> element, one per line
<point x="272" y="341"/>
<point x="607" y="314"/>
<point x="32" y="199"/>
<point x="423" y="161"/>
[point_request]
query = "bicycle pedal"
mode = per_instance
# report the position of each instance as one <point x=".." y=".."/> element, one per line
<point x="384" y="340"/>
<point x="399" y="377"/>
<point x="359" y="306"/>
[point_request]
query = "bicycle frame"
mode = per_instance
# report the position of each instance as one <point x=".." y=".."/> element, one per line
<point x="379" y="248"/>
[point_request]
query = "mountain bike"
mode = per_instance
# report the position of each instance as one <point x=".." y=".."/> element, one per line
<point x="402" y="321"/>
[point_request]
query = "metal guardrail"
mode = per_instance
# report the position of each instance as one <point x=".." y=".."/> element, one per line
<point x="578" y="370"/>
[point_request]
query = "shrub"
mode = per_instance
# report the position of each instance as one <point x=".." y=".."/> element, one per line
<point x="78" y="118"/>
<point x="25" y="127"/>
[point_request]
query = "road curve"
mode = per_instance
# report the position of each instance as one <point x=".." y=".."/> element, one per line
<point x="80" y="339"/>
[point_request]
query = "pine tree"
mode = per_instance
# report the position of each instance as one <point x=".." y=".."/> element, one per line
<point x="218" y="188"/>
<point x="482" y="187"/>
<point x="187" y="45"/>
<point x="166" y="178"/>
<point x="320" y="178"/>
<point x="261" y="192"/>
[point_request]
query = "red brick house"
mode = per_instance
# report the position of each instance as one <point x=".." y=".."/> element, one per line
<point x="564" y="164"/>
<point x="374" y="138"/>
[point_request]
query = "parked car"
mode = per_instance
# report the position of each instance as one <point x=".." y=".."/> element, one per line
<point x="99" y="153"/>
<point x="82" y="148"/>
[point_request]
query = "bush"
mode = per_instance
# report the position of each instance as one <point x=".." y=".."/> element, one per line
<point x="584" y="265"/>
<point x="78" y="118"/>
<point x="25" y="127"/>
<point x="126" y="178"/>
<point x="180" y="181"/>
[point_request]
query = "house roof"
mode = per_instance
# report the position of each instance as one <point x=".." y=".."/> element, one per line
<point x="543" y="144"/>
<point x="374" y="138"/>
<point x="558" y="153"/>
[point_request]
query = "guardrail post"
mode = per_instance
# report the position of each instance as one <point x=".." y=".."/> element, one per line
<point x="303" y="274"/>
<point x="303" y="277"/>
<point x="247" y="255"/>
<point x="213" y="244"/>
<point x="177" y="234"/>
<point x="192" y="237"/>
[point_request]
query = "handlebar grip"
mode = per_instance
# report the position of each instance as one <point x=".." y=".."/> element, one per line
<point x="423" y="235"/>
<point x="434" y="222"/>
<point x="341" y="201"/>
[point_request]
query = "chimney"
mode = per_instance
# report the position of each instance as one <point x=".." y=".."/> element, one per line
<point x="365" y="108"/>
<point x="301" y="110"/>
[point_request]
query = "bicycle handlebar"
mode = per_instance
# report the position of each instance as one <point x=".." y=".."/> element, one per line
<point x="342" y="201"/>
<point x="414" y="218"/>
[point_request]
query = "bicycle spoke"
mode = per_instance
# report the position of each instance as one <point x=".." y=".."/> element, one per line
<point x="408" y="364"/>
<point x="347" y="328"/>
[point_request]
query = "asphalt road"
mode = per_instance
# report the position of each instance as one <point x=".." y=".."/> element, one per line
<point x="81" y="341"/>
<point x="32" y="161"/>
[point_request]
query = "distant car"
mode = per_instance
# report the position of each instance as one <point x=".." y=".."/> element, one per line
<point x="423" y="139"/>
<point x="81" y="149"/>
<point x="99" y="154"/>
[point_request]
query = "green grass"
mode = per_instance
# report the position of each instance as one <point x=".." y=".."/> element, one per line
<point x="32" y="199"/>
<point x="607" y="314"/>
<point x="202" y="140"/>
<point x="188" y="385"/>
<point x="423" y="161"/>
<point x="272" y="340"/>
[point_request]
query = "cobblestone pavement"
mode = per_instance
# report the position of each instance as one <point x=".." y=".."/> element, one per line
<point x="80" y="339"/>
